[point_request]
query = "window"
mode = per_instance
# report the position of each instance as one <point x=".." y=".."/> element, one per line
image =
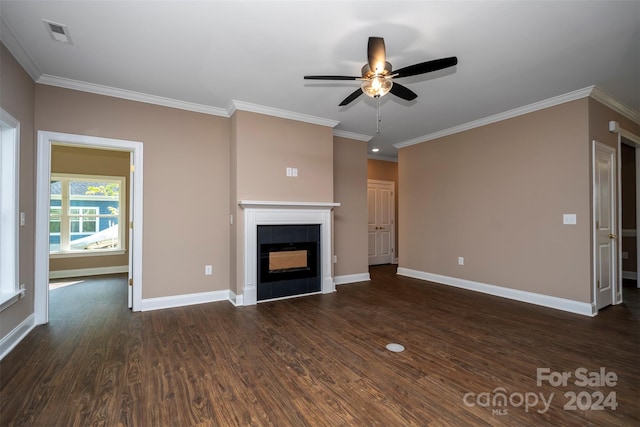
<point x="85" y="213"/>
<point x="9" y="202"/>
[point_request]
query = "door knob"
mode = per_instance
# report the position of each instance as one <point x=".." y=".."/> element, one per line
<point x="612" y="236"/>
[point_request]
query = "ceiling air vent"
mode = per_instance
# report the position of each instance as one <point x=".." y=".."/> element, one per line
<point x="58" y="32"/>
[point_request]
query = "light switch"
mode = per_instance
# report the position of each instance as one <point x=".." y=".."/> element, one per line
<point x="569" y="219"/>
<point x="23" y="219"/>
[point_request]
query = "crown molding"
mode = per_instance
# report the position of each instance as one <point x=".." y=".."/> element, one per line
<point x="556" y="100"/>
<point x="606" y="99"/>
<point x="352" y="135"/>
<point x="236" y="105"/>
<point x="130" y="95"/>
<point x="9" y="39"/>
<point x="383" y="158"/>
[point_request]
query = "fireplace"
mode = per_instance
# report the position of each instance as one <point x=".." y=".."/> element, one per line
<point x="268" y="213"/>
<point x="288" y="260"/>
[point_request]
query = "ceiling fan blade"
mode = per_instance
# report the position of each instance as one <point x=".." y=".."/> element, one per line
<point x="331" y="78"/>
<point x="376" y="54"/>
<point x="403" y="92"/>
<point x="351" y="97"/>
<point x="426" y="67"/>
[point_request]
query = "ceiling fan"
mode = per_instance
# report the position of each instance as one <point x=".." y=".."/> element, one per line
<point x="377" y="74"/>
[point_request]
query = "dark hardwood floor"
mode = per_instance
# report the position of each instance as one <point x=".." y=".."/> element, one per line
<point x="470" y="359"/>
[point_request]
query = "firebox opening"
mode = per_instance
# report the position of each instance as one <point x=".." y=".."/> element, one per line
<point x="285" y="261"/>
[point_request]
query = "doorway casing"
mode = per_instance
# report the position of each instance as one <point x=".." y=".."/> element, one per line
<point x="45" y="140"/>
<point x="634" y="140"/>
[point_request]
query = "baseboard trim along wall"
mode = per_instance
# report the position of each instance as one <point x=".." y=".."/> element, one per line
<point x="16" y="335"/>
<point x="82" y="272"/>
<point x="351" y="278"/>
<point x="577" y="307"/>
<point x="631" y="275"/>
<point x="235" y="299"/>
<point x="183" y="300"/>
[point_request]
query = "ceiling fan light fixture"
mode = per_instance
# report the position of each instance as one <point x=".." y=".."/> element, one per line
<point x="377" y="86"/>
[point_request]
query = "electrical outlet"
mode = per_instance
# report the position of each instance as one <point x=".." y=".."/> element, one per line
<point x="208" y="270"/>
<point x="460" y="260"/>
<point x="625" y="255"/>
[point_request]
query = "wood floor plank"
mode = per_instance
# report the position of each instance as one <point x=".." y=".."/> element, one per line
<point x="315" y="361"/>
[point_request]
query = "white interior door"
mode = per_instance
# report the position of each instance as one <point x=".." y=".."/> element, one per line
<point x="381" y="213"/>
<point x="604" y="192"/>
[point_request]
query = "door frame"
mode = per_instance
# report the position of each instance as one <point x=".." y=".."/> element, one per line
<point x="45" y="140"/>
<point x="614" y="127"/>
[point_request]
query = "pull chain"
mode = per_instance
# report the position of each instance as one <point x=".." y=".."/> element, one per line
<point x="378" y="117"/>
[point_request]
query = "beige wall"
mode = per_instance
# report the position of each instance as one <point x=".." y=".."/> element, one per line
<point x="75" y="160"/>
<point x="386" y="171"/>
<point x="495" y="195"/>
<point x="350" y="218"/>
<point x="382" y="170"/>
<point x="17" y="98"/>
<point x="266" y="146"/>
<point x="186" y="181"/>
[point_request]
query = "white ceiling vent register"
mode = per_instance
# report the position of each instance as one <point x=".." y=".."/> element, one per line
<point x="58" y="32"/>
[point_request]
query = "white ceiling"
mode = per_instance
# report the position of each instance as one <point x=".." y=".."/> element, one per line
<point x="210" y="53"/>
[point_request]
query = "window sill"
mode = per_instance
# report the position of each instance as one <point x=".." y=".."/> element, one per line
<point x="87" y="253"/>
<point x="8" y="299"/>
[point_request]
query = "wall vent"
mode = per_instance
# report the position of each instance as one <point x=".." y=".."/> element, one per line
<point x="58" y="32"/>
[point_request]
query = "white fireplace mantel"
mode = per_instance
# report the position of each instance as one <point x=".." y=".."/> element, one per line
<point x="258" y="212"/>
<point x="280" y="204"/>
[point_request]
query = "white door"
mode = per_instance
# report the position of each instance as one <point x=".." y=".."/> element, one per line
<point x="381" y="212"/>
<point x="604" y="215"/>
<point x="130" y="248"/>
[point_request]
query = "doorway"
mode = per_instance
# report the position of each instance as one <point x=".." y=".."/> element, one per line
<point x="629" y="206"/>
<point x="622" y="251"/>
<point x="381" y="221"/>
<point x="45" y="141"/>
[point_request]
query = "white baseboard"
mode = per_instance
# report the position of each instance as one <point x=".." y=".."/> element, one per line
<point x="9" y="341"/>
<point x="584" y="308"/>
<point x="351" y="278"/>
<point x="184" y="300"/>
<point x="235" y="299"/>
<point x="631" y="275"/>
<point x="82" y="272"/>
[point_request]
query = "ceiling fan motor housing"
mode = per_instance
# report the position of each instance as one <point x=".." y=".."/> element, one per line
<point x="367" y="73"/>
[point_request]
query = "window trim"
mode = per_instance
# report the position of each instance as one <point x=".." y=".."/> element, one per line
<point x="121" y="217"/>
<point x="10" y="289"/>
